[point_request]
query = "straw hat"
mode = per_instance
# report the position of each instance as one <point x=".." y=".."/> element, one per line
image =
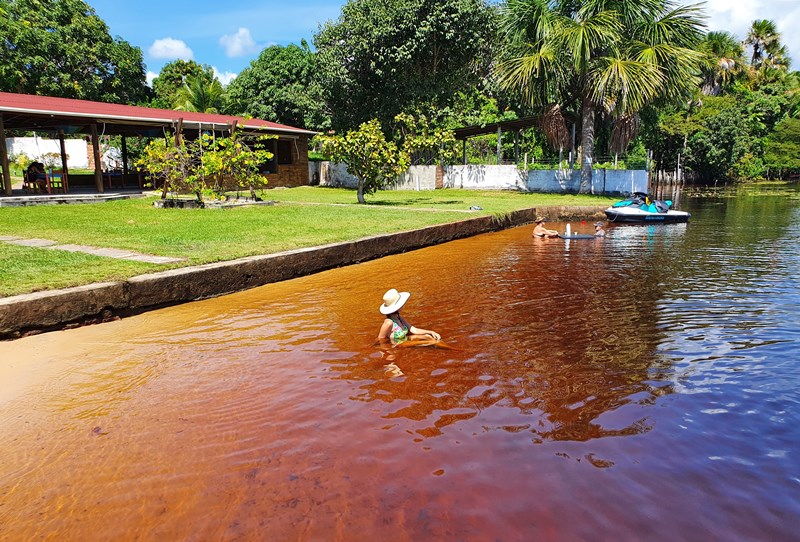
<point x="540" y="219"/>
<point x="598" y="224"/>
<point x="393" y="301"/>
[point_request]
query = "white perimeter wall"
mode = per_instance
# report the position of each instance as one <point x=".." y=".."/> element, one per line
<point x="480" y="177"/>
<point x="35" y="147"/>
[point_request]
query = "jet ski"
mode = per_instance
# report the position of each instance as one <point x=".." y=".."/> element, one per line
<point x="642" y="209"/>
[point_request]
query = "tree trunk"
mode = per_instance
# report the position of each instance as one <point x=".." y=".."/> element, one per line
<point x="587" y="145"/>
<point x="361" y="192"/>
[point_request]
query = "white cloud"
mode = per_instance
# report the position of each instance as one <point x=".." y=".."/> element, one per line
<point x="239" y="44"/>
<point x="149" y="78"/>
<point x="736" y="17"/>
<point x="171" y="49"/>
<point x="224" y="77"/>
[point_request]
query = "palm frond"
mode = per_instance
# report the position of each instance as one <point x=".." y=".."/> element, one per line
<point x="584" y="38"/>
<point x="525" y="21"/>
<point x="532" y="75"/>
<point x="626" y="126"/>
<point x="682" y="26"/>
<point x="554" y="127"/>
<point x="625" y="85"/>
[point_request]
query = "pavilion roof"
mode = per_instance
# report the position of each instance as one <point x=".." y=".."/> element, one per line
<point x="46" y="113"/>
<point x="505" y="125"/>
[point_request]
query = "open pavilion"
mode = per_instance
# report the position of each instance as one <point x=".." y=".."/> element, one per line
<point x="64" y="117"/>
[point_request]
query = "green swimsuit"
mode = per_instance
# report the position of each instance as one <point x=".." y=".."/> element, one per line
<point x="400" y="329"/>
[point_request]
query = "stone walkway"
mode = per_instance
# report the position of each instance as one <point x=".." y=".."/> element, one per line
<point x="95" y="251"/>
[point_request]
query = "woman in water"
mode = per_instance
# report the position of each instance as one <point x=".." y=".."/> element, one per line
<point x="395" y="327"/>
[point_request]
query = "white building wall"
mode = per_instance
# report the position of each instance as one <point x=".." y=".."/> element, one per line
<point x="487" y="177"/>
<point x="35" y="147"/>
<point x="483" y="177"/>
<point x="416" y="178"/>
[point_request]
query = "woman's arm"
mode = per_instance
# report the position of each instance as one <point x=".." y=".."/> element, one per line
<point x="385" y="329"/>
<point x="419" y="331"/>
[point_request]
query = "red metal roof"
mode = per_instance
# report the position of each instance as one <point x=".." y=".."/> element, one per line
<point x="31" y="112"/>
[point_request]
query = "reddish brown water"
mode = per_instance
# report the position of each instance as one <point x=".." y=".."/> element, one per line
<point x="574" y="405"/>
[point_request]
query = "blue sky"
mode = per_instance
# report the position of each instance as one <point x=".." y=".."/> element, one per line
<point x="228" y="35"/>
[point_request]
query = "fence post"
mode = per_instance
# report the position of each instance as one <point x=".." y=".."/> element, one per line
<point x="6" y="170"/>
<point x="499" y="144"/>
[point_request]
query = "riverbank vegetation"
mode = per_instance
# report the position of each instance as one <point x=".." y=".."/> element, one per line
<point x="300" y="217"/>
<point x="604" y="82"/>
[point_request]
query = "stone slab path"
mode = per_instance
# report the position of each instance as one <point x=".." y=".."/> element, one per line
<point x="95" y="251"/>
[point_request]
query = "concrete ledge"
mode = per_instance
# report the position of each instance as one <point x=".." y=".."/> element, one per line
<point x="59" y="309"/>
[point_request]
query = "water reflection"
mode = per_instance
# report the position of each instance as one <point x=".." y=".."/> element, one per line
<point x="631" y="382"/>
<point x="553" y="344"/>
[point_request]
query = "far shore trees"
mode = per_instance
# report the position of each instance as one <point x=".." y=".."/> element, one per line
<point x="281" y="86"/>
<point x="382" y="58"/>
<point x="600" y="57"/>
<point x="62" y="48"/>
<point x="173" y="75"/>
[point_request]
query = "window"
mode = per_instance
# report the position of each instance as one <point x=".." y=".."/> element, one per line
<point x="281" y="150"/>
<point x="284" y="152"/>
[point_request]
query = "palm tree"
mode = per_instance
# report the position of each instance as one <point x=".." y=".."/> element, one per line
<point x="724" y="60"/>
<point x="615" y="56"/>
<point x="764" y="38"/>
<point x="200" y="96"/>
<point x="769" y="61"/>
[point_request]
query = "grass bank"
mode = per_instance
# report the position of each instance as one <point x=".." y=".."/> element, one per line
<point x="301" y="217"/>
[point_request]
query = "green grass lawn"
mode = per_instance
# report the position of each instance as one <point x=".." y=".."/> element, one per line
<point x="24" y="269"/>
<point x="492" y="201"/>
<point x="302" y="217"/>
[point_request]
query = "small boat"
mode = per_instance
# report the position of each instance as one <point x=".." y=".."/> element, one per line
<point x="641" y="209"/>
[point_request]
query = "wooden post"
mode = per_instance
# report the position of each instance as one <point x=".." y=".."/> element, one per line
<point x="179" y="133"/>
<point x="64" y="171"/>
<point x="98" y="166"/>
<point x="516" y="148"/>
<point x="6" y="178"/>
<point x="499" y="144"/>
<point x="124" y="157"/>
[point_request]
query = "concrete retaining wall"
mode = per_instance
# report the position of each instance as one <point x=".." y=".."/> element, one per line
<point x="59" y="309"/>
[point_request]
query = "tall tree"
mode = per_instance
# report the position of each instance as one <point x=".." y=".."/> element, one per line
<point x="763" y="37"/>
<point x="382" y="58"/>
<point x="769" y="60"/>
<point x="610" y="56"/>
<point x="173" y="76"/>
<point x="62" y="48"/>
<point x="280" y="85"/>
<point x="724" y="60"/>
